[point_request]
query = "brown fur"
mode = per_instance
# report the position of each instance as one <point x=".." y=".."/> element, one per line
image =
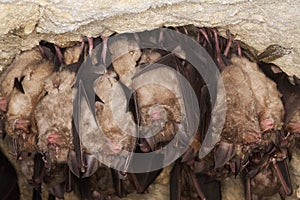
<point x="20" y="106"/>
<point x="160" y="87"/>
<point x="53" y="115"/>
<point x="125" y="54"/>
<point x="269" y="104"/>
<point x="117" y="125"/>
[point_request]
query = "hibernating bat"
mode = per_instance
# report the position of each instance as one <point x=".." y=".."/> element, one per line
<point x="12" y="74"/>
<point x="26" y="93"/>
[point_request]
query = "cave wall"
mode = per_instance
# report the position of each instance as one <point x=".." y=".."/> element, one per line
<point x="259" y="23"/>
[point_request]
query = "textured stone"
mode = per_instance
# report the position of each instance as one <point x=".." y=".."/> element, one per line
<point x="258" y="23"/>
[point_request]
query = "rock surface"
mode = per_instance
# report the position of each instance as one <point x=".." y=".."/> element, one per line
<point x="257" y="23"/>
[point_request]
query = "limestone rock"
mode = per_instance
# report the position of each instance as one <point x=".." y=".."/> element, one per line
<point x="257" y="23"/>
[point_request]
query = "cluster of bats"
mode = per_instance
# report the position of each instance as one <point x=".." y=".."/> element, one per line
<point x="261" y="128"/>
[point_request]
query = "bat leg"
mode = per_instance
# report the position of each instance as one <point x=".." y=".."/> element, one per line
<point x="204" y="33"/>
<point x="223" y="153"/>
<point x="104" y="49"/>
<point x="282" y="172"/>
<point x="197" y="186"/>
<point x="59" y="54"/>
<point x="220" y="61"/>
<point x="228" y="45"/>
<point x="175" y="181"/>
<point x="118" y="183"/>
<point x="239" y="49"/>
<point x="91" y="44"/>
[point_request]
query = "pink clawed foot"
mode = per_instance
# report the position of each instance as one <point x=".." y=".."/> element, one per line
<point x="229" y="42"/>
<point x="204" y="33"/>
<point x="239" y="49"/>
<point x="266" y="125"/>
<point x="218" y="51"/>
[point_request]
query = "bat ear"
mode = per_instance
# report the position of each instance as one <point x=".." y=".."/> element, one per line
<point x="18" y="84"/>
<point x="223" y="153"/>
